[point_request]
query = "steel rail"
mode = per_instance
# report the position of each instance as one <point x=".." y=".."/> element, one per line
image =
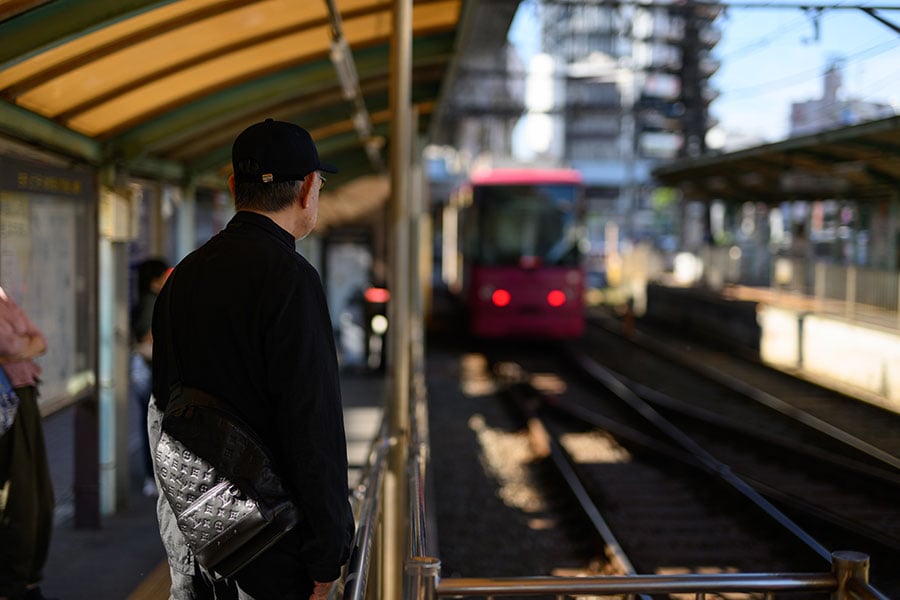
<point x="563" y="463"/>
<point x="763" y="398"/>
<point x="658" y="398"/>
<point x="709" y="462"/>
<point x="675" y="453"/>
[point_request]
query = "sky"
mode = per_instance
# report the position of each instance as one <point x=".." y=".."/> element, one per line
<point x="771" y="57"/>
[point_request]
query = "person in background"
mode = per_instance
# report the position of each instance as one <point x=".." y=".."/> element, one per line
<point x="151" y="275"/>
<point x="246" y="317"/>
<point x="26" y="491"/>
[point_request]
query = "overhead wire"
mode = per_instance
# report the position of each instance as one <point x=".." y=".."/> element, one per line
<point x="764" y="41"/>
<point x="873" y="92"/>
<point x="755" y="91"/>
<point x="809" y="74"/>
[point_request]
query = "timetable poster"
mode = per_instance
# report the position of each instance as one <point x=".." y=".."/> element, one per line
<point x="47" y="238"/>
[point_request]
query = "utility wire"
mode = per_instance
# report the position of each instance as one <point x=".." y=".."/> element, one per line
<point x="769" y="38"/>
<point x="764" y="41"/>
<point x="805" y="76"/>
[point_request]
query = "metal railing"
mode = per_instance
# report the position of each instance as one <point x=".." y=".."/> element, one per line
<point x="849" y="290"/>
<point x="848" y="580"/>
<point x="367" y="505"/>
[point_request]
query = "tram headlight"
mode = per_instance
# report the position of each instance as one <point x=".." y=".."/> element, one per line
<point x="379" y="324"/>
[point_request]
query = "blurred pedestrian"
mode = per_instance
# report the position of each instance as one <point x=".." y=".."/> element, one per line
<point x="248" y="323"/>
<point x="151" y="275"/>
<point x="26" y="491"/>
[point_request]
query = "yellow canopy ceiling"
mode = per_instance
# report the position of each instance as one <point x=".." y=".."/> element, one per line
<point x="161" y="88"/>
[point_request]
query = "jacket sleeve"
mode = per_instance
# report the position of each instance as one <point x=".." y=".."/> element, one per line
<point x="15" y="329"/>
<point x="304" y="379"/>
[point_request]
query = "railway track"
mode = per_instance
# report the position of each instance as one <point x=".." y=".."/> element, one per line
<point x="691" y="476"/>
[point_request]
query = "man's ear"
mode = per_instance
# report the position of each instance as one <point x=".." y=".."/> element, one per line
<point x="306" y="188"/>
<point x="231" y="183"/>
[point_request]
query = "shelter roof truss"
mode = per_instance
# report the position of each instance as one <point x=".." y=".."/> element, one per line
<point x="860" y="162"/>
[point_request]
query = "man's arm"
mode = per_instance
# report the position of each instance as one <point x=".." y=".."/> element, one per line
<point x="310" y="422"/>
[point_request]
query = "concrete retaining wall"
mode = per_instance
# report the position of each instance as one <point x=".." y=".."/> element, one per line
<point x="705" y="315"/>
<point x="854" y="358"/>
<point x="861" y="360"/>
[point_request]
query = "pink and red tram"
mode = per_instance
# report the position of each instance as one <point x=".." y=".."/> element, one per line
<point x="522" y="268"/>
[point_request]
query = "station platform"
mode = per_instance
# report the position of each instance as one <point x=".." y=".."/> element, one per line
<point x="124" y="559"/>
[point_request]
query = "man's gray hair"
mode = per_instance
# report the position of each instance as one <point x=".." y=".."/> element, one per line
<point x="266" y="197"/>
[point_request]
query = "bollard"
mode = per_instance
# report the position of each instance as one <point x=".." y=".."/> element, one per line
<point x="421" y="578"/>
<point x="628" y="324"/>
<point x="847" y="565"/>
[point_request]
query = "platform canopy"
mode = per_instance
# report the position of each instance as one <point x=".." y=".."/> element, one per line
<point x="160" y="89"/>
<point x="860" y="162"/>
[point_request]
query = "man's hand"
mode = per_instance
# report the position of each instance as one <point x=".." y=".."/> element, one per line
<point x="320" y="590"/>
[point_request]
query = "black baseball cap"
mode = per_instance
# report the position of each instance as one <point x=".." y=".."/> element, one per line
<point x="274" y="151"/>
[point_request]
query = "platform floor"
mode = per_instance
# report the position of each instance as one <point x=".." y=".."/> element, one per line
<point x="124" y="559"/>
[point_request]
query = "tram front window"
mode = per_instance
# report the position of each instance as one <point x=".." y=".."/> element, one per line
<point x="527" y="226"/>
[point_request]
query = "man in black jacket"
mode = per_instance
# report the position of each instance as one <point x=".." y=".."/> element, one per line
<point x="250" y="326"/>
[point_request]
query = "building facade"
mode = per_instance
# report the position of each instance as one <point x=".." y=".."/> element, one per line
<point x="636" y="92"/>
<point x="834" y="110"/>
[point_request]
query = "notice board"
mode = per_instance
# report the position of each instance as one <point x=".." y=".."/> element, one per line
<point x="48" y="266"/>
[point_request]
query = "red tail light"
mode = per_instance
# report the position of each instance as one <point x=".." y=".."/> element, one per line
<point x="556" y="298"/>
<point x="500" y="298"/>
<point x="376" y="295"/>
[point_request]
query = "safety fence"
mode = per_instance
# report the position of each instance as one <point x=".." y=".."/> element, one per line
<point x="850" y="291"/>
<point x="848" y="580"/>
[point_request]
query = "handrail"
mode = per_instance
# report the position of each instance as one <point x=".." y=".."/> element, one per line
<point x="418" y="469"/>
<point x="861" y="590"/>
<point x="419" y="569"/>
<point x="418" y="538"/>
<point x="848" y="580"/>
<point x="369" y="494"/>
<point x="639" y="584"/>
<point x="852" y="571"/>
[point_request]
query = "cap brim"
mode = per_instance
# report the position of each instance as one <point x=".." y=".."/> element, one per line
<point x="327" y="167"/>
